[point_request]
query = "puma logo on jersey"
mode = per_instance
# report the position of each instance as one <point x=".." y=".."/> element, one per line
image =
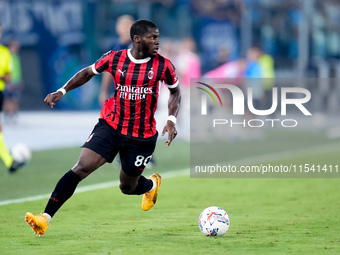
<point x="122" y="72"/>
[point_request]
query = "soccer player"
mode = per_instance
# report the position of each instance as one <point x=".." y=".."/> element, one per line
<point x="126" y="124"/>
<point x="5" y="76"/>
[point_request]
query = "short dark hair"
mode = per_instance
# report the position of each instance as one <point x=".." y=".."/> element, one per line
<point x="141" y="27"/>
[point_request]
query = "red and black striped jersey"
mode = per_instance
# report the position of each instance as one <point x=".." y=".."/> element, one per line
<point x="132" y="108"/>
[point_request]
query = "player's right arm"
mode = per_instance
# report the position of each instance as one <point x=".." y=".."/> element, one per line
<point x="80" y="78"/>
<point x="76" y="81"/>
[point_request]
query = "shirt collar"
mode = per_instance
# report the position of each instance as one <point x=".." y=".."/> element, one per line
<point x="137" y="61"/>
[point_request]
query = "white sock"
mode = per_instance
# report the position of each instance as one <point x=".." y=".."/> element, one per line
<point x="153" y="184"/>
<point x="48" y="217"/>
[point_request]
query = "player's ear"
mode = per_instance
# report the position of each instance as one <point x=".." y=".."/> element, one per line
<point x="137" y="38"/>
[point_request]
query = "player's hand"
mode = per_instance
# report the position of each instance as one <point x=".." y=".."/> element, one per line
<point x="172" y="132"/>
<point x="52" y="98"/>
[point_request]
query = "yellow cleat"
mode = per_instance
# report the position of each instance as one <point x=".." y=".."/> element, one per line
<point x="150" y="197"/>
<point x="38" y="222"/>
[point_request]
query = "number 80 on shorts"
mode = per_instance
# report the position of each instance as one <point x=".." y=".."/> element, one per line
<point x="141" y="160"/>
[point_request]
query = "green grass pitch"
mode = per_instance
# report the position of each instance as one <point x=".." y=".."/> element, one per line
<point x="268" y="216"/>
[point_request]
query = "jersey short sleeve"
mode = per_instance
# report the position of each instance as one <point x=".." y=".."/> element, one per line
<point x="170" y="77"/>
<point x="6" y="64"/>
<point x="103" y="63"/>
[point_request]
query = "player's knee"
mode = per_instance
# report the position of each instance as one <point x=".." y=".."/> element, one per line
<point x="81" y="169"/>
<point x="127" y="188"/>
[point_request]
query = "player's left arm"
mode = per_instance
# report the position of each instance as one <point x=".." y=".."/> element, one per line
<point x="173" y="106"/>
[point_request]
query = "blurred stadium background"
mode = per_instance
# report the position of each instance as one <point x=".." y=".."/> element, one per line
<point x="269" y="216"/>
<point x="57" y="38"/>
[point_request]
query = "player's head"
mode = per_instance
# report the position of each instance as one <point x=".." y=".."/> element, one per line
<point x="145" y="33"/>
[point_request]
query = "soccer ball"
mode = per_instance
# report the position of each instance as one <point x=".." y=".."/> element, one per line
<point x="213" y="221"/>
<point x="21" y="153"/>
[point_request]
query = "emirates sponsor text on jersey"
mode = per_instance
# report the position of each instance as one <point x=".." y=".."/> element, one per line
<point x="133" y="93"/>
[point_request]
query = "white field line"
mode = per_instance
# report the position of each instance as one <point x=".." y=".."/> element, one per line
<point x="250" y="160"/>
<point x="87" y="188"/>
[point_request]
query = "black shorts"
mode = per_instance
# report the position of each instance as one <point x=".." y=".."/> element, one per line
<point x="135" y="153"/>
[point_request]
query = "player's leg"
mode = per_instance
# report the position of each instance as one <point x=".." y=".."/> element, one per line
<point x="135" y="154"/>
<point x="134" y="185"/>
<point x="6" y="157"/>
<point x="140" y="185"/>
<point x="4" y="153"/>
<point x="96" y="151"/>
<point x="88" y="162"/>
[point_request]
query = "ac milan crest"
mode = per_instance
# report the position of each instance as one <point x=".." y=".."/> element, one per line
<point x="151" y="74"/>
